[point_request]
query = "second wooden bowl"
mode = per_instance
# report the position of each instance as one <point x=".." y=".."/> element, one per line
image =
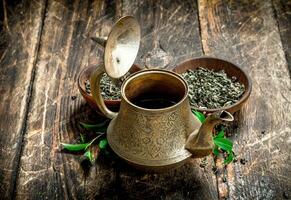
<point x="85" y="76"/>
<point x="229" y="68"/>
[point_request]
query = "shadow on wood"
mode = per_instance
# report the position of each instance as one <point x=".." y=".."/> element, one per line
<point x="117" y="179"/>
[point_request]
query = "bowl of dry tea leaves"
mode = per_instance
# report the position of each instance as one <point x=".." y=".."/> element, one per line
<point x="215" y="84"/>
<point x="110" y="92"/>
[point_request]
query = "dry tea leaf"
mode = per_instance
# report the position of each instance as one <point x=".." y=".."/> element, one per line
<point x="209" y="89"/>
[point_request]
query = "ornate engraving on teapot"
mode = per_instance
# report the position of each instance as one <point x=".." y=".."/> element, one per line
<point x="150" y="137"/>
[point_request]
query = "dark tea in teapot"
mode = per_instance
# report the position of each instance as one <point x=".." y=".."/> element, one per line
<point x="155" y="91"/>
<point x="153" y="102"/>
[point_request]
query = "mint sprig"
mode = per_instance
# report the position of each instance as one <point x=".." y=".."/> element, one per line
<point x="90" y="151"/>
<point x="220" y="142"/>
<point x="80" y="146"/>
<point x="74" y="147"/>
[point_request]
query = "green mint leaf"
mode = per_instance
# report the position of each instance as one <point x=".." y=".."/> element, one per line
<point x="220" y="134"/>
<point x="229" y="158"/>
<point x="103" y="143"/>
<point x="100" y="127"/>
<point x="223" y="143"/>
<point x="215" y="150"/>
<point x="74" y="147"/>
<point x="89" y="156"/>
<point x="199" y="115"/>
<point x="79" y="147"/>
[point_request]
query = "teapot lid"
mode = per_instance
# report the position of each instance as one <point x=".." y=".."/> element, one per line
<point x="122" y="47"/>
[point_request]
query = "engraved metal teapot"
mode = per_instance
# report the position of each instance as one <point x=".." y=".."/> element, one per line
<point x="158" y="138"/>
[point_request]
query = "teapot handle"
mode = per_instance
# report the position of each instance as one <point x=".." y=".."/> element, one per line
<point x="96" y="92"/>
<point x="201" y="144"/>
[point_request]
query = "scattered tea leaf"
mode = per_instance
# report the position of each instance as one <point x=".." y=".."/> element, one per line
<point x="74" y="147"/>
<point x="223" y="143"/>
<point x="243" y="161"/>
<point x="103" y="143"/>
<point x="199" y="115"/>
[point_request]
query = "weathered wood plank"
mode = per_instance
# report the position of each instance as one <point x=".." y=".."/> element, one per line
<point x="65" y="50"/>
<point x="246" y="33"/>
<point x="283" y="16"/>
<point x="21" y="24"/>
<point x="45" y="172"/>
<point x="170" y="27"/>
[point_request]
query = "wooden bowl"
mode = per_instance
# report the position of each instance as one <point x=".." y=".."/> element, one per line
<point x="230" y="69"/>
<point x="85" y="75"/>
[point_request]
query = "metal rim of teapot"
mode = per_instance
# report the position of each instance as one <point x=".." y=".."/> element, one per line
<point x="161" y="71"/>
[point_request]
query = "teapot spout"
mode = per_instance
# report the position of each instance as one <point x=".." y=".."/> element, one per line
<point x="100" y="40"/>
<point x="201" y="144"/>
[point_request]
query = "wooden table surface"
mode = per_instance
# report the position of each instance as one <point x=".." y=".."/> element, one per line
<point x="44" y="46"/>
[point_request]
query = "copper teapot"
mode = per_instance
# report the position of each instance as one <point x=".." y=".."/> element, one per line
<point x="155" y="128"/>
